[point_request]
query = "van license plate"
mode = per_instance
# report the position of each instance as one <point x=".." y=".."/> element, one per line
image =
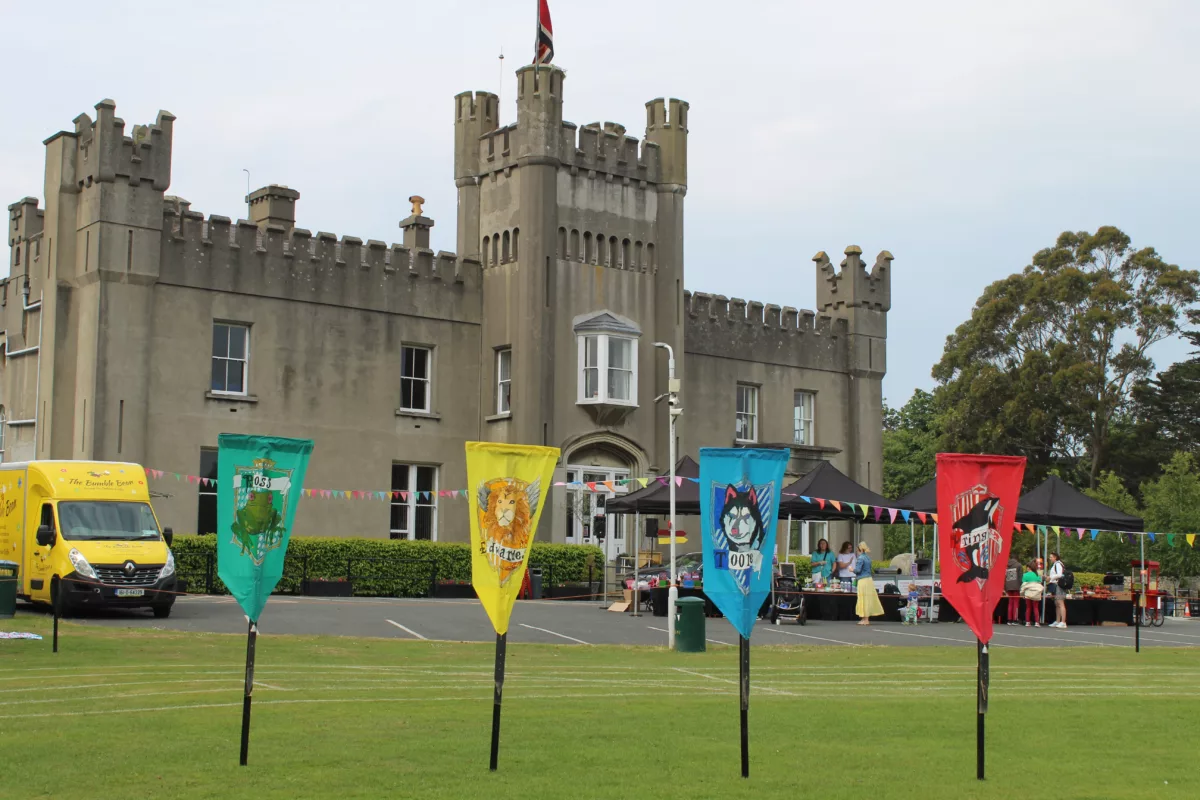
<point x="130" y="592"/>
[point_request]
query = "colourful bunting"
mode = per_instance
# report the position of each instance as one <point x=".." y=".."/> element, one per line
<point x="1170" y="540"/>
<point x="836" y="504"/>
<point x="905" y="515"/>
<point x="895" y="513"/>
<point x="1191" y="539"/>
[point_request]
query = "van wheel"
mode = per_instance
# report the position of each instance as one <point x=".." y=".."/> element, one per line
<point x="161" y="612"/>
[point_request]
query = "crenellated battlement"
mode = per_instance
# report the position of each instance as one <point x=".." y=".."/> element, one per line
<point x="104" y="154"/>
<point x="220" y="254"/>
<point x="852" y="286"/>
<point x="603" y="148"/>
<point x="735" y="328"/>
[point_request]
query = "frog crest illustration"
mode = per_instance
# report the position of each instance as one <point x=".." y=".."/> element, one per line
<point x="260" y="508"/>
<point x="506" y="509"/>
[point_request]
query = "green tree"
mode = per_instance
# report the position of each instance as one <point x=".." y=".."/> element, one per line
<point x="1050" y="355"/>
<point x="1173" y="505"/>
<point x="909" y="458"/>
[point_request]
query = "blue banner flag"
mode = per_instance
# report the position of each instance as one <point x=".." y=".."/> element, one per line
<point x="739" y="510"/>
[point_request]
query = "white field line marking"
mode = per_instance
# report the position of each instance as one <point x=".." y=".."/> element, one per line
<point x="120" y="696"/>
<point x="1128" y="638"/>
<point x="809" y="636"/>
<point x="1077" y="643"/>
<point x="324" y="700"/>
<point x="664" y="630"/>
<point x="726" y="680"/>
<point x="552" y="633"/>
<point x="1162" y="632"/>
<point x="924" y="636"/>
<point x="409" y="631"/>
<point x="269" y="686"/>
<point x="120" y="683"/>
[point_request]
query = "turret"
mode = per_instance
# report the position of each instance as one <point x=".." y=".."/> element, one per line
<point x="475" y="114"/>
<point x="539" y="111"/>
<point x="666" y="126"/>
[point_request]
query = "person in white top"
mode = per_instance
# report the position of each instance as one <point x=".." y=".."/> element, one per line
<point x="1060" y="594"/>
<point x="845" y="562"/>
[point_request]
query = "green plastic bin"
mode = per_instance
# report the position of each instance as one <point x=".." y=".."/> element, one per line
<point x="8" y="589"/>
<point x="689" y="625"/>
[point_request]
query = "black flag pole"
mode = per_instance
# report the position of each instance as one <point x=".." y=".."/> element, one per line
<point x="501" y="644"/>
<point x="57" y="603"/>
<point x="982" y="704"/>
<point x="251" y="635"/>
<point x="744" y="662"/>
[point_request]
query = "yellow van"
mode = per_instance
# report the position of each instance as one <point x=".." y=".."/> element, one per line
<point x="85" y="530"/>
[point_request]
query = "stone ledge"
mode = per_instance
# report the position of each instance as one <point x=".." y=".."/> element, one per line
<point x="404" y="412"/>
<point x="231" y="398"/>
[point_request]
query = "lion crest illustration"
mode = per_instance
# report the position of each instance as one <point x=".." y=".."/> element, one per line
<point x="506" y="508"/>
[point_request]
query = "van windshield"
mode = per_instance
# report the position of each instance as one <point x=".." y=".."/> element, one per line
<point x="106" y="521"/>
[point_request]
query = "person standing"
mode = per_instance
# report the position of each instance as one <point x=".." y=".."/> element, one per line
<point x="1031" y="590"/>
<point x="845" y="562"/>
<point x="823" y="560"/>
<point x="1057" y="592"/>
<point x="868" y="604"/>
<point x="1012" y="588"/>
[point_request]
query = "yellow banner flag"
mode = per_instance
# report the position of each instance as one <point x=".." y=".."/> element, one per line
<point x="507" y="488"/>
<point x="1191" y="537"/>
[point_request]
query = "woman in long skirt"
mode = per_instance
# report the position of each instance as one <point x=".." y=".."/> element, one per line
<point x="868" y="599"/>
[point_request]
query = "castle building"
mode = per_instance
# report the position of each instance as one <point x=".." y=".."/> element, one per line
<point x="137" y="329"/>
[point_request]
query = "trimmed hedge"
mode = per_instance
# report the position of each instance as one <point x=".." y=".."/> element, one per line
<point x="803" y="566"/>
<point x="383" y="567"/>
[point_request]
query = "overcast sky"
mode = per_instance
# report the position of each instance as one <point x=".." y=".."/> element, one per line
<point x="962" y="137"/>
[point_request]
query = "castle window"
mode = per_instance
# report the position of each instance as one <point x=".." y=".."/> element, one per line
<point x="414" y="502"/>
<point x="483" y="256"/>
<point x="612" y="251"/>
<point x="415" y="370"/>
<point x="206" y="513"/>
<point x="637" y="254"/>
<point x="562" y="243"/>
<point x="802" y="418"/>
<point x="601" y="257"/>
<point x="608" y="357"/>
<point x="505" y="251"/>
<point x="746" y="425"/>
<point x="625" y="262"/>
<point x="587" y="248"/>
<point x="650" y="256"/>
<point x="516" y="251"/>
<point x="230" y="358"/>
<point x="495" y="249"/>
<point x="504" y="381"/>
<point x="574" y="253"/>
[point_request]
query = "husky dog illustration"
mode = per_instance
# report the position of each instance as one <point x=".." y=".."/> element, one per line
<point x="741" y="520"/>
<point x="974" y="531"/>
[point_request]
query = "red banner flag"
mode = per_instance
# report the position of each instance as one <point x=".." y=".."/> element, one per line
<point x="543" y="47"/>
<point x="977" y="502"/>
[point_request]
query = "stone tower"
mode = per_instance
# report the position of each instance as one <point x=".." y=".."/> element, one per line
<point x="862" y="299"/>
<point x="103" y="236"/>
<point x="578" y="229"/>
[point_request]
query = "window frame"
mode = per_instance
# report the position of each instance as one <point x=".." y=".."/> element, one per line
<point x="603" y="369"/>
<point x="503" y="384"/>
<point x="799" y="422"/>
<point x="411" y="502"/>
<point x="752" y="414"/>
<point x="245" y="361"/>
<point x="427" y="380"/>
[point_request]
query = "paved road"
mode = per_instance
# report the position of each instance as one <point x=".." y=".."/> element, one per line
<point x="557" y="622"/>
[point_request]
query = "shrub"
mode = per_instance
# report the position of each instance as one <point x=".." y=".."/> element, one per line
<point x="803" y="566"/>
<point x="381" y="567"/>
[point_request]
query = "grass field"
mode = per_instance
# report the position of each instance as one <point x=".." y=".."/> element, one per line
<point x="122" y="713"/>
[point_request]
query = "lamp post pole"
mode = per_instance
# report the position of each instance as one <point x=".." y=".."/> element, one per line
<point x="674" y="411"/>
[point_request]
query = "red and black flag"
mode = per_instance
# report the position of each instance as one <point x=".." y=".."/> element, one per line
<point x="543" y="48"/>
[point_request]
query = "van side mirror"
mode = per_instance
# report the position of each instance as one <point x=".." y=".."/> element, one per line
<point x="45" y="536"/>
<point x="168" y="536"/>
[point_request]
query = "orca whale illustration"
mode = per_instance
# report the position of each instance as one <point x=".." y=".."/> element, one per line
<point x="974" y="529"/>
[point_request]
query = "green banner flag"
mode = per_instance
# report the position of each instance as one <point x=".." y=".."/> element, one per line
<point x="259" y="481"/>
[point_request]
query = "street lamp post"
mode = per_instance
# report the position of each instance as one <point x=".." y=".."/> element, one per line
<point x="674" y="411"/>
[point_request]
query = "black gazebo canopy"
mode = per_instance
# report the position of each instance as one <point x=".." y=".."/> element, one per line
<point x="1056" y="502"/>
<point x="923" y="499"/>
<point x="827" y="483"/>
<point x="655" y="499"/>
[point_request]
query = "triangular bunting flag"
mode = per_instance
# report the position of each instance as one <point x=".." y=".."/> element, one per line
<point x="921" y="516"/>
<point x="905" y="515"/>
<point x="1170" y="540"/>
<point x="591" y="486"/>
<point x="678" y="481"/>
<point x="934" y="518"/>
<point x="878" y="513"/>
<point x="820" y="503"/>
<point x="1095" y="533"/>
<point x="609" y="485"/>
<point x="806" y="499"/>
<point x="1191" y="539"/>
<point x="865" y="510"/>
<point x="894" y="512"/>
<point x="851" y="507"/>
<point x="836" y="504"/>
<point x="1056" y="529"/>
<point x="1151" y="535"/>
<point x="643" y="482"/>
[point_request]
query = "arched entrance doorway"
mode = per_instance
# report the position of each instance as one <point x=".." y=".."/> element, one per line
<point x="608" y="461"/>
